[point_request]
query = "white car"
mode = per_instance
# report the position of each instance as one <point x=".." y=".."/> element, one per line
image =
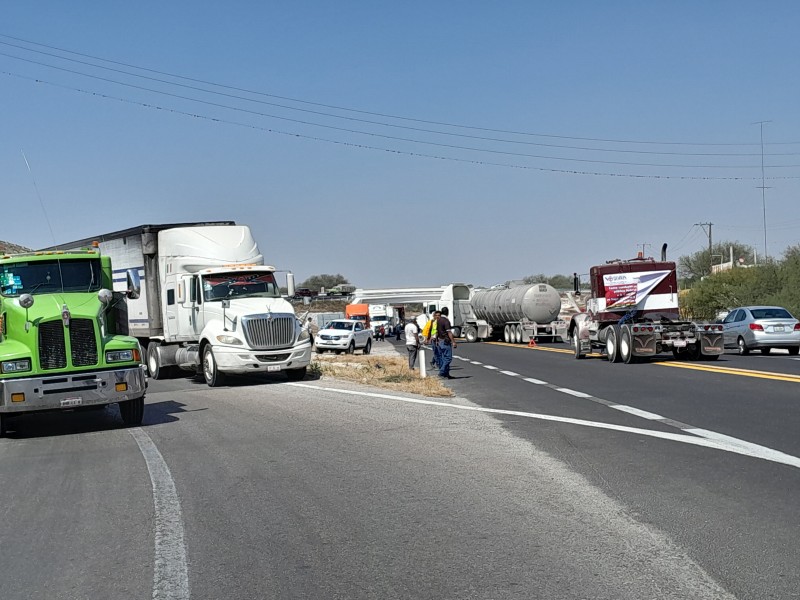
<point x="344" y="335"/>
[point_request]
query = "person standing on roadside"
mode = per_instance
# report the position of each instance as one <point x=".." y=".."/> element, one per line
<point x="398" y="329"/>
<point x="412" y="342"/>
<point x="429" y="333"/>
<point x="445" y="342"/>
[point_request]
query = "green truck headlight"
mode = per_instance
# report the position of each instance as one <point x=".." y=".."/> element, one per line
<point x="114" y="356"/>
<point x="16" y="366"/>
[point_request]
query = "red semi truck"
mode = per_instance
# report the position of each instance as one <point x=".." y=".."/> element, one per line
<point x="633" y="314"/>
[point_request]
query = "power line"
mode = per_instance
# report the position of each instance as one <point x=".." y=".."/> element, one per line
<point x="388" y="150"/>
<point x="380" y="135"/>
<point x="365" y="112"/>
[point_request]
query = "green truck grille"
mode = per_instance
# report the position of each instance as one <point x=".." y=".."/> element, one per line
<point x="53" y="346"/>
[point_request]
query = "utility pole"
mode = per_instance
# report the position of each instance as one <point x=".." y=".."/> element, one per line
<point x="763" y="187"/>
<point x="708" y="233"/>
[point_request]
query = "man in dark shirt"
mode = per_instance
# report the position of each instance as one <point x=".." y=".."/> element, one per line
<point x="445" y="342"/>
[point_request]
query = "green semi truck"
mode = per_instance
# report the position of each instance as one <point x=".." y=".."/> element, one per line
<point x="58" y="344"/>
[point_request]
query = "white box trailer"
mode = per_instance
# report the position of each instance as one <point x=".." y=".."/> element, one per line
<point x="208" y="302"/>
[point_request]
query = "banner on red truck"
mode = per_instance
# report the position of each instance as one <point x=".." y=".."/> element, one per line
<point x="625" y="290"/>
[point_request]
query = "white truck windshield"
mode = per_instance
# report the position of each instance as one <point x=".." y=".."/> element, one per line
<point x="237" y="285"/>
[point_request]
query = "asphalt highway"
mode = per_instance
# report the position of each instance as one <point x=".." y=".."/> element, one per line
<point x="545" y="477"/>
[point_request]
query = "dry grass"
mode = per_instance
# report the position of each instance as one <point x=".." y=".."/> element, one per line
<point x="390" y="372"/>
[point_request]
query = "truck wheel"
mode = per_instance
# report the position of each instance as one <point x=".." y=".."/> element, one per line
<point x="743" y="349"/>
<point x="518" y="334"/>
<point x="368" y="347"/>
<point x="471" y="335"/>
<point x="457" y="332"/>
<point x="612" y="344"/>
<point x="351" y="348"/>
<point x="576" y="346"/>
<point x="507" y="334"/>
<point x="153" y="366"/>
<point x="132" y="411"/>
<point x="3" y="425"/>
<point x="211" y="371"/>
<point x="626" y="346"/>
<point x="296" y="374"/>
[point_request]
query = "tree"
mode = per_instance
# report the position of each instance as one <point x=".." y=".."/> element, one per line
<point x="560" y="282"/>
<point x="315" y="282"/>
<point x="692" y="267"/>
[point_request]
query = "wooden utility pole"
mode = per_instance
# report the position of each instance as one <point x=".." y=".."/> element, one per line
<point x="708" y="233"/>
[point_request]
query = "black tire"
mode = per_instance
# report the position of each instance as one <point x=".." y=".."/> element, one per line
<point x="794" y="350"/>
<point x="351" y="348"/>
<point x="296" y="374"/>
<point x="576" y="346"/>
<point x="626" y="346"/>
<point x="367" y="347"/>
<point x="132" y="411"/>
<point x="743" y="349"/>
<point x="3" y="425"/>
<point x="765" y="350"/>
<point x="153" y="366"/>
<point x="319" y="350"/>
<point x="211" y="372"/>
<point x="457" y="332"/>
<point x="471" y="335"/>
<point x="612" y="344"/>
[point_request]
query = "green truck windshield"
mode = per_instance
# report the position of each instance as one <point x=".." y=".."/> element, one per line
<point x="50" y="276"/>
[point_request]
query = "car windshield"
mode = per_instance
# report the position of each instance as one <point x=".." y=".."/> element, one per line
<point x="50" y="277"/>
<point x="341" y="325"/>
<point x="380" y="318"/>
<point x="237" y="285"/>
<point x="770" y="313"/>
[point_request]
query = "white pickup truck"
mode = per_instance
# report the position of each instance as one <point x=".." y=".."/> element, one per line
<point x="344" y="335"/>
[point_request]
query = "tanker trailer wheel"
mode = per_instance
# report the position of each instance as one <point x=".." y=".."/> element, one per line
<point x="211" y="371"/>
<point x="612" y="344"/>
<point x="471" y="335"/>
<point x="626" y="346"/>
<point x="519" y="334"/>
<point x="507" y="335"/>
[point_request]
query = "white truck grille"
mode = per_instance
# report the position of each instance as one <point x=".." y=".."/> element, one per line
<point x="267" y="332"/>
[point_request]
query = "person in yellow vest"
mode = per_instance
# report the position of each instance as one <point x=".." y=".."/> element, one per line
<point x="429" y="332"/>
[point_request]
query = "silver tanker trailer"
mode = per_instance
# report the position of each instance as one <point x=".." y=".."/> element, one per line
<point x="515" y="314"/>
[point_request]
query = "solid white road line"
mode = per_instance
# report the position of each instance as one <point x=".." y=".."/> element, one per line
<point x="171" y="574"/>
<point x="710" y="439"/>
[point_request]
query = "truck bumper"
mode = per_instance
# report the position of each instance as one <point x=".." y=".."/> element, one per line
<point x="71" y="390"/>
<point x="237" y="361"/>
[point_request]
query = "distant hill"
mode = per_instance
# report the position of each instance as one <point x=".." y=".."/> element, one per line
<point x="8" y="247"/>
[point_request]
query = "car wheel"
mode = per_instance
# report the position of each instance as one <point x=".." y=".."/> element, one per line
<point x="211" y="371"/>
<point x="743" y="349"/>
<point x="367" y="347"/>
<point x="319" y="350"/>
<point x="351" y="348"/>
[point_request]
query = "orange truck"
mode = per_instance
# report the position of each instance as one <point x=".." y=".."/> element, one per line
<point x="358" y="312"/>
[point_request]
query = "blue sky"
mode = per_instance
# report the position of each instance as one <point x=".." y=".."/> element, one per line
<point x="493" y="140"/>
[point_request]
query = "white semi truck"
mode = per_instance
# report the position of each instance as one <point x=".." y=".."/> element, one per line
<point x="382" y="314"/>
<point x="208" y="302"/>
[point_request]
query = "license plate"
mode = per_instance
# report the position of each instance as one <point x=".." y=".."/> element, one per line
<point x="66" y="402"/>
<point x="679" y="343"/>
<point x="777" y="328"/>
<point x="273" y="368"/>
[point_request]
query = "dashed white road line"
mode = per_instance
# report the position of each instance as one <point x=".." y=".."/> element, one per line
<point x="708" y="440"/>
<point x="170" y="573"/>
<point x="475" y="362"/>
<point x="635" y="411"/>
<point x="575" y="393"/>
<point x="510" y="373"/>
<point x="535" y="381"/>
<point x="490" y="367"/>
